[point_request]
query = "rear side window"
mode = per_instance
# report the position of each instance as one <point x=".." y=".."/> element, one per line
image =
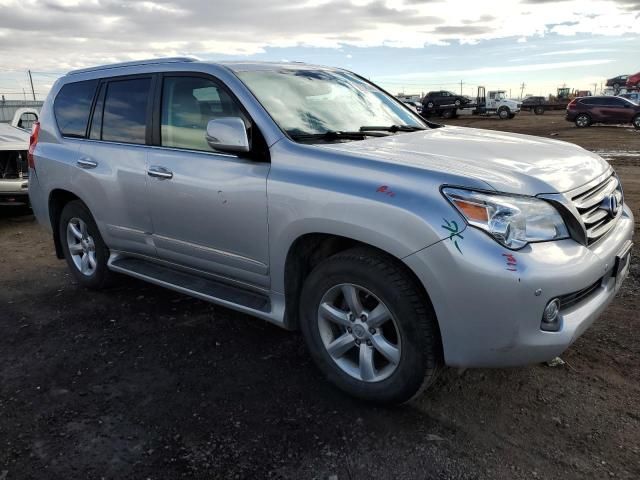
<point x="72" y="107"/>
<point x="125" y="111"/>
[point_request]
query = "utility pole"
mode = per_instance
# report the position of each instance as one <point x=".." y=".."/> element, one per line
<point x="522" y="90"/>
<point x="24" y="95"/>
<point x="31" y="81"/>
<point x="461" y="83"/>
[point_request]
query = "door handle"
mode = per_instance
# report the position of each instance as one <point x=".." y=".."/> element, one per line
<point x="159" y="172"/>
<point x="87" y="163"/>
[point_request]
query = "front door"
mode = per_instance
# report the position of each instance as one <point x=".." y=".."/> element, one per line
<point x="209" y="209"/>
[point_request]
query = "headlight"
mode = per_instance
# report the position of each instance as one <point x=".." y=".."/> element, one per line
<point x="512" y="221"/>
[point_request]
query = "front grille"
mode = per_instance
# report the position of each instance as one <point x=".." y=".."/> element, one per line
<point x="599" y="207"/>
<point x="571" y="299"/>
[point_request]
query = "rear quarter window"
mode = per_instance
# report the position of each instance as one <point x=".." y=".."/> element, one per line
<point x="72" y="107"/>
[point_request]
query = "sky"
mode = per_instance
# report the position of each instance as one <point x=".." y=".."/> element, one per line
<point x="410" y="46"/>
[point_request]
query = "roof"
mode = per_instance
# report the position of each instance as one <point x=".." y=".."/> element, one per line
<point x="232" y="65"/>
<point x="135" y="63"/>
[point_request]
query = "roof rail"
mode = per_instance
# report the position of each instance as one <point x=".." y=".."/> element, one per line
<point x="151" y="61"/>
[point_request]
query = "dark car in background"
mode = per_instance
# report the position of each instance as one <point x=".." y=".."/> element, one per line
<point x="617" y="82"/>
<point x="633" y="80"/>
<point x="443" y="97"/>
<point x="535" y="104"/>
<point x="585" y="111"/>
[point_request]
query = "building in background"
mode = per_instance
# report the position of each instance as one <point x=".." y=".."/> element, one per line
<point x="9" y="107"/>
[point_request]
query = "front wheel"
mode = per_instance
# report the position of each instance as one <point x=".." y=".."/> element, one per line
<point x="636" y="122"/>
<point x="458" y="103"/>
<point x="83" y="247"/>
<point x="503" y="113"/>
<point x="369" y="328"/>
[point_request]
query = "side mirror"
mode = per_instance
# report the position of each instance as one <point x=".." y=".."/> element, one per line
<point x="227" y="134"/>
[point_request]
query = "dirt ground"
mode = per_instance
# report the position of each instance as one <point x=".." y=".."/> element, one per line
<point x="141" y="382"/>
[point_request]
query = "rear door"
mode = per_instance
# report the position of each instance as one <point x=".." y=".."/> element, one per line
<point x="616" y="110"/>
<point x="209" y="209"/>
<point x="112" y="167"/>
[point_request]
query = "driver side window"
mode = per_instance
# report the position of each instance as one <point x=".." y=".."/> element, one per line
<point x="188" y="103"/>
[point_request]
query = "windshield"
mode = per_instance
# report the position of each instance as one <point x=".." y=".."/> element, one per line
<point x="309" y="102"/>
<point x="500" y="95"/>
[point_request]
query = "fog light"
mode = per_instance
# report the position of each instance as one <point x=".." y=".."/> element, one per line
<point x="550" y="315"/>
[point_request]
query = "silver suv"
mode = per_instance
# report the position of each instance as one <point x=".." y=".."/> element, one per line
<point x="311" y="198"/>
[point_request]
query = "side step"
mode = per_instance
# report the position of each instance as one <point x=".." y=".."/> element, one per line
<point x="189" y="284"/>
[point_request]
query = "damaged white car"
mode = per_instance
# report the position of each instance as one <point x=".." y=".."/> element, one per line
<point x="14" y="144"/>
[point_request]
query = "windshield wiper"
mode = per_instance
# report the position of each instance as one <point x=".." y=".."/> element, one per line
<point x="392" y="128"/>
<point x="338" y="135"/>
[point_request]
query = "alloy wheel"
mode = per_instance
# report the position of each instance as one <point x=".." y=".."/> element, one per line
<point x="582" y="121"/>
<point x="359" y="332"/>
<point x="81" y="246"/>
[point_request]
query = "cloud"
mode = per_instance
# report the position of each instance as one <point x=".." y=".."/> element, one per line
<point x="57" y="35"/>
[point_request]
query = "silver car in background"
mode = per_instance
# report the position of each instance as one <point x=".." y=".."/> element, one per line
<point x="311" y="198"/>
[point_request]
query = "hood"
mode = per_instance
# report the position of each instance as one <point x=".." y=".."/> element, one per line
<point x="508" y="162"/>
<point x="13" y="138"/>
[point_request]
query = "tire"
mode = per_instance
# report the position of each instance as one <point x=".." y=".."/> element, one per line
<point x="503" y="113"/>
<point x="616" y="86"/>
<point x="430" y="105"/>
<point x="539" y="110"/>
<point x="411" y="328"/>
<point x="583" y="120"/>
<point x="78" y="229"/>
<point x="458" y="103"/>
<point x="636" y="122"/>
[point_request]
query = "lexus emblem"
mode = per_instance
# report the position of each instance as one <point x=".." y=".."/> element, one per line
<point x="612" y="205"/>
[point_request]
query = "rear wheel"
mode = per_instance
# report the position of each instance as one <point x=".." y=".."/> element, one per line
<point x="368" y="327"/>
<point x="582" y="120"/>
<point x="83" y="247"/>
<point x="458" y="103"/>
<point x="539" y="110"/>
<point x="636" y="122"/>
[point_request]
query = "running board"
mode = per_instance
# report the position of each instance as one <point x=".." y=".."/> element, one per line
<point x="196" y="286"/>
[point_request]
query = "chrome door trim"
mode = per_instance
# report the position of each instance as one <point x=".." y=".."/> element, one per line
<point x="212" y="250"/>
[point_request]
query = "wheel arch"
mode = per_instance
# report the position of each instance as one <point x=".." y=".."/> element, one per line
<point x="58" y="198"/>
<point x="309" y="249"/>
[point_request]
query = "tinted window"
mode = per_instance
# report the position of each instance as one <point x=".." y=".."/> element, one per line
<point x="616" y="102"/>
<point x="188" y="103"/>
<point x="125" y="111"/>
<point x="72" y="107"/>
<point x="589" y="101"/>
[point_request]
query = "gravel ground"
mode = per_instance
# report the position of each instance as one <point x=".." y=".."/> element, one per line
<point x="141" y="382"/>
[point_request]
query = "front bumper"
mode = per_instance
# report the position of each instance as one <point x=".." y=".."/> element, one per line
<point x="489" y="300"/>
<point x="14" y="192"/>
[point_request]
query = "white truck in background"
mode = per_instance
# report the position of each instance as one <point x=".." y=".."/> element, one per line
<point x="14" y="145"/>
<point x="496" y="103"/>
